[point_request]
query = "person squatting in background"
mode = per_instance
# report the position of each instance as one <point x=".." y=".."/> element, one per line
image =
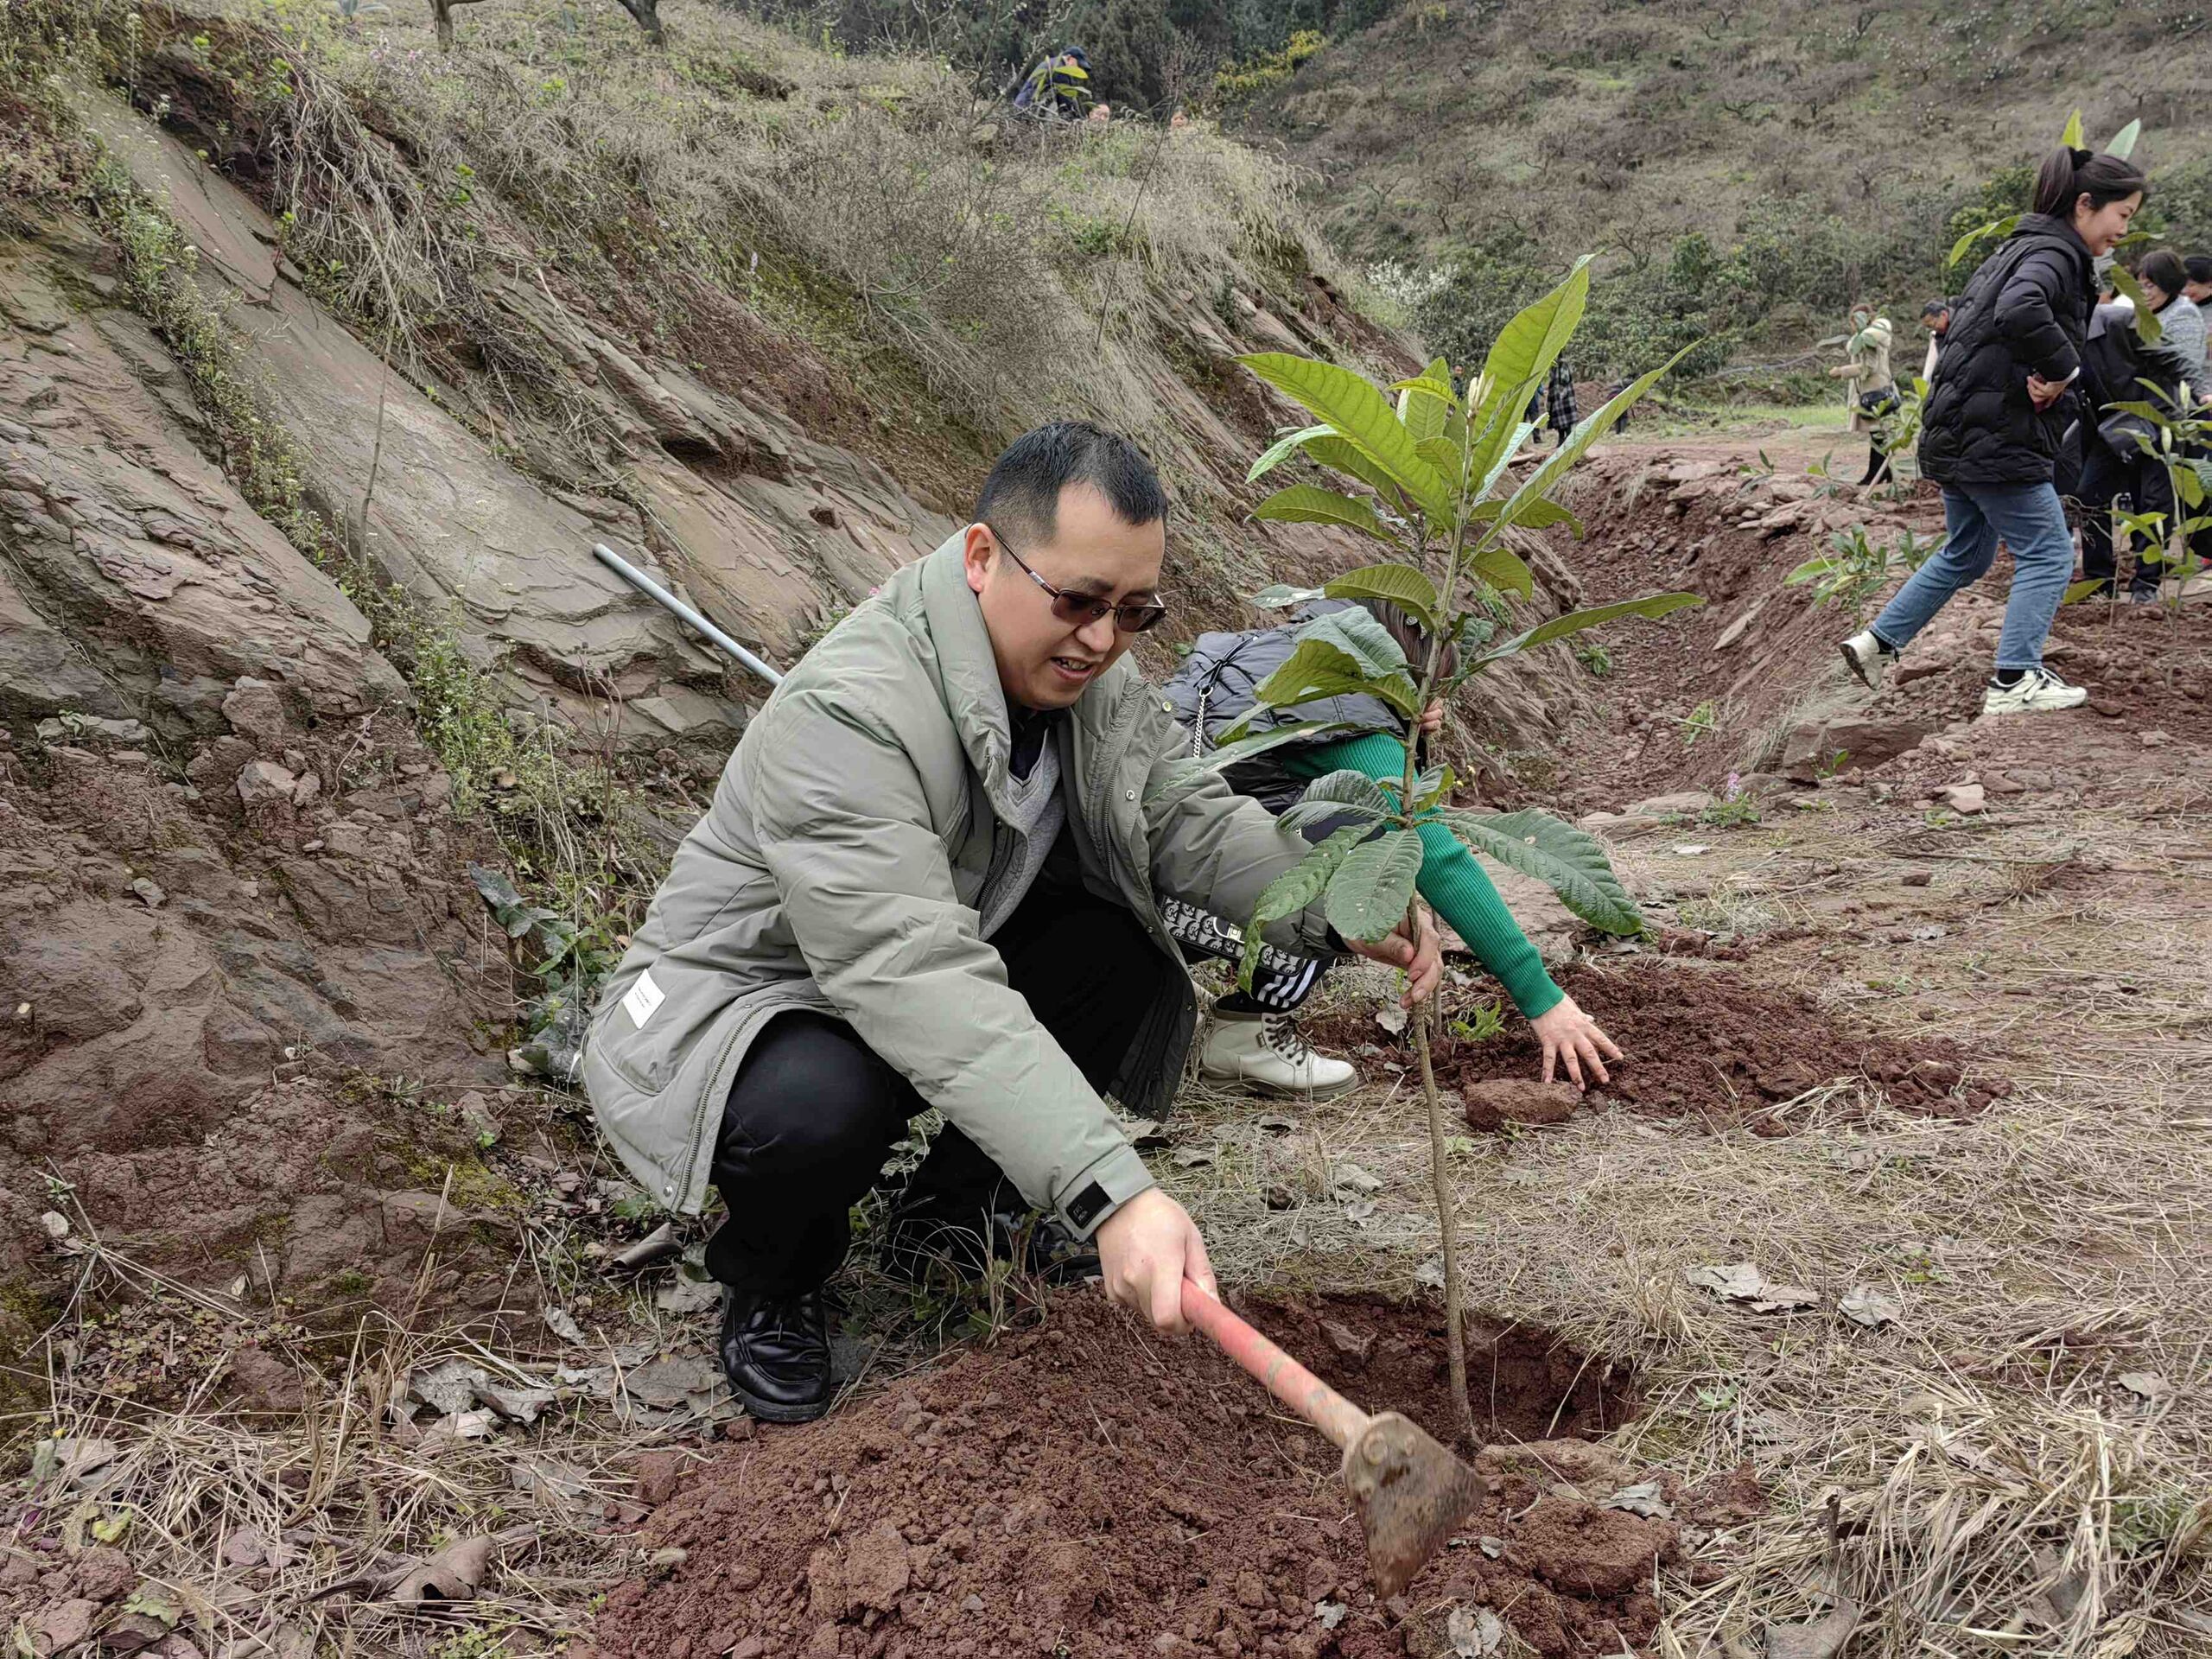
<point x="2120" y="366"/>
<point x="1995" y="419"/>
<point x="1873" y="388"/>
<point x="1262" y="1045"/>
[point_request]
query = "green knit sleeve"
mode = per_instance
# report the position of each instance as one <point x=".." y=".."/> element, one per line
<point x="1451" y="878"/>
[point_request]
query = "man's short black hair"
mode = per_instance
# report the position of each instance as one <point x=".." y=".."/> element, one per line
<point x="1935" y="308"/>
<point x="1021" y="497"/>
<point x="2199" y="266"/>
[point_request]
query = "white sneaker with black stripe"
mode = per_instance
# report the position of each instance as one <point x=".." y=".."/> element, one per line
<point x="1868" y="658"/>
<point x="2038" y="692"/>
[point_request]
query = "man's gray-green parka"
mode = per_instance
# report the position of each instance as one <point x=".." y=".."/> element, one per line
<point x="838" y="869"/>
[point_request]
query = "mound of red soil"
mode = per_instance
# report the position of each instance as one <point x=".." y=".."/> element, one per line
<point x="1086" y="1489"/>
<point x="1710" y="1045"/>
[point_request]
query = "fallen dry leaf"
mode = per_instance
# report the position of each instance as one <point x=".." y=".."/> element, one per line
<point x="1645" y="1498"/>
<point x="452" y="1575"/>
<point x="1741" y="1283"/>
<point x="1821" y="1639"/>
<point x="1872" y="1307"/>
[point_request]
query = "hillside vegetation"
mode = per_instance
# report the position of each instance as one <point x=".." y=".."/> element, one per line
<point x="1748" y="166"/>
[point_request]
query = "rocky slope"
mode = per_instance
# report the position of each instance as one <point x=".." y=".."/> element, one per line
<point x="293" y="586"/>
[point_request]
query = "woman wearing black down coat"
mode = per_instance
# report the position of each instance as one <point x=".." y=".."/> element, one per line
<point x="1993" y="422"/>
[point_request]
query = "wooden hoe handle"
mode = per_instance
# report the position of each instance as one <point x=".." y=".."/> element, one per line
<point x="1283" y="1376"/>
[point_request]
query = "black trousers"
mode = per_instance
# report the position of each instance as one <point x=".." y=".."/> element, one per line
<point x="814" y="1112"/>
<point x="2108" y="475"/>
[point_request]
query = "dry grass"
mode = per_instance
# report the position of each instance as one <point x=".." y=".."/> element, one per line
<point x="870" y="204"/>
<point x="2000" y="1489"/>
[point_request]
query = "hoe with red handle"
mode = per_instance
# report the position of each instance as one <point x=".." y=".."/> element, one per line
<point x="1411" y="1493"/>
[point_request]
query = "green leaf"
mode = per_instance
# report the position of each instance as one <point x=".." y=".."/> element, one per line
<point x="1283" y="448"/>
<point x="2000" y="227"/>
<point x="1538" y="515"/>
<point x="1548" y="472"/>
<point x="2077" y="592"/>
<point x="1426" y="402"/>
<point x="1526" y="347"/>
<point x="1560" y="627"/>
<point x="1567" y="860"/>
<point x="1347" y="787"/>
<point x="1191" y="767"/>
<point x="1359" y="413"/>
<point x="1522" y="355"/>
<point x="2146" y="320"/>
<point x="1356" y="631"/>
<point x="1442" y="455"/>
<point x="1308" y="504"/>
<point x="1292" y="891"/>
<point x="2122" y="143"/>
<point x="1348" y="458"/>
<point x="1812" y="570"/>
<point x="1320" y="668"/>
<point x="1505" y="570"/>
<point x="2072" y="136"/>
<point x="1368" y="895"/>
<point x="1402" y="585"/>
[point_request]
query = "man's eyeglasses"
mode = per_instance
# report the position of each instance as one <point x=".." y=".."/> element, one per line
<point x="1132" y="616"/>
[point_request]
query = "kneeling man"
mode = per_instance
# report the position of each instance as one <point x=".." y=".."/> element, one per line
<point x="929" y="878"/>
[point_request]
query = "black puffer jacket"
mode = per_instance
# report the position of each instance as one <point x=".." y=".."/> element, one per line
<point x="2026" y="311"/>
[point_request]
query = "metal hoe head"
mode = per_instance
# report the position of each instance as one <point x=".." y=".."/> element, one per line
<point x="1411" y="1495"/>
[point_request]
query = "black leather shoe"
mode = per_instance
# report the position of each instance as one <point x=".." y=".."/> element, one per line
<point x="776" y="1354"/>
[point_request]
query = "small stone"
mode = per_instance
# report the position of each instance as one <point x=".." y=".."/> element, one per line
<point x="255" y="710"/>
<point x="151" y="892"/>
<point x="657" y="1475"/>
<point x="55" y="1224"/>
<point x="2150" y="740"/>
<point x="66" y="1624"/>
<point x="264" y="781"/>
<point x="104" y="1574"/>
<point x="1967" y="798"/>
<point x="1918" y="878"/>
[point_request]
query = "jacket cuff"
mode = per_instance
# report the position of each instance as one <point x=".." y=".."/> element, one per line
<point x="1101" y="1190"/>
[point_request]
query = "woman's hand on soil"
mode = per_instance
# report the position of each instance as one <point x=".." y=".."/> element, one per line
<point x="1147" y="1248"/>
<point x="1421" y="957"/>
<point x="1572" y="1036"/>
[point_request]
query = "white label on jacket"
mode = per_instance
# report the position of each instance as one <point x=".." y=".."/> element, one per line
<point x="642" y="999"/>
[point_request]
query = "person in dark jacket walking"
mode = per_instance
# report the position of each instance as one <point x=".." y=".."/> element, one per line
<point x="1993" y="424"/>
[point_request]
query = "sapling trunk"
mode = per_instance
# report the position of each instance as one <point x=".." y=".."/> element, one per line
<point x="1447" y="1210"/>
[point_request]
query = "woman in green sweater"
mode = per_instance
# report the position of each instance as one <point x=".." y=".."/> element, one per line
<point x="1259" y="1045"/>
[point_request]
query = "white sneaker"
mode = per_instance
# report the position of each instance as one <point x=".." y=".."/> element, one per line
<point x="1268" y="1051"/>
<point x="2038" y="692"/>
<point x="1867" y="658"/>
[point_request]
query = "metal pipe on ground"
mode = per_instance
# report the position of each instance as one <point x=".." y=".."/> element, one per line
<point x="684" y="612"/>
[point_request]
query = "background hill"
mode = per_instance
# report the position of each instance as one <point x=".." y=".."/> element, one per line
<point x="1750" y="167"/>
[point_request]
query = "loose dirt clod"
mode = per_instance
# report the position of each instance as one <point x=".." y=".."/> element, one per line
<point x="1073" y="1488"/>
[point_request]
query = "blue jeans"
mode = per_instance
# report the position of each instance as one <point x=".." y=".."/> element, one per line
<point x="2028" y="518"/>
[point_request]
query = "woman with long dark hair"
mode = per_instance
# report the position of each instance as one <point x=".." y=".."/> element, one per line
<point x="1995" y="421"/>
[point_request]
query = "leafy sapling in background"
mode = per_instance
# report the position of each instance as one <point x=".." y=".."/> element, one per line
<point x="1436" y="485"/>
